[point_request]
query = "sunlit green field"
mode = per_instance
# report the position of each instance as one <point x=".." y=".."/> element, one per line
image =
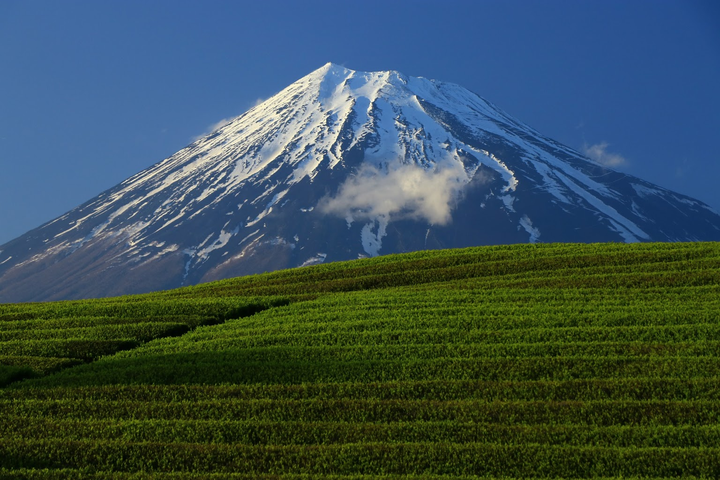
<point x="550" y="361"/>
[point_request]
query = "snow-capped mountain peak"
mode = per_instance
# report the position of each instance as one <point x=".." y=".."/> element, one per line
<point x="341" y="164"/>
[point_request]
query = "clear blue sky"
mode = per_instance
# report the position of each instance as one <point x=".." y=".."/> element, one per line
<point x="92" y="91"/>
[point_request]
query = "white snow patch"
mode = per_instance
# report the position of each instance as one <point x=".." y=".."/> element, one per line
<point x="280" y="241"/>
<point x="169" y="249"/>
<point x="508" y="202"/>
<point x="372" y="242"/>
<point x="509" y="175"/>
<point x="248" y="236"/>
<point x="222" y="240"/>
<point x="191" y="253"/>
<point x="66" y="231"/>
<point x="550" y="183"/>
<point x="526" y="223"/>
<point x="627" y="229"/>
<point x="692" y="203"/>
<point x="319" y="258"/>
<point x="205" y="241"/>
<point x="561" y="167"/>
<point x="172" y="220"/>
<point x="6" y="260"/>
<point x="644" y="191"/>
<point x="260" y="216"/>
<point x="276" y="198"/>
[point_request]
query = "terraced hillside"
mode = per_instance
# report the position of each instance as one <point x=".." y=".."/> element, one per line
<point x="572" y="361"/>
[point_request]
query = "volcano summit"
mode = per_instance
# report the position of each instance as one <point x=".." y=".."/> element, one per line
<point x="339" y="165"/>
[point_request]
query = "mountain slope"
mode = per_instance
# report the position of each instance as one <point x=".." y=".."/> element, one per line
<point x="338" y="165"/>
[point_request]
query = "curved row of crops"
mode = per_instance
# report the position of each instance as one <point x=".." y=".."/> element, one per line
<point x="549" y="361"/>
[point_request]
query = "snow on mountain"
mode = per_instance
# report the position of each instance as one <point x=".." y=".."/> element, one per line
<point x="340" y="164"/>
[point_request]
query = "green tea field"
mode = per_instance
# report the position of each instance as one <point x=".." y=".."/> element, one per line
<point x="524" y="361"/>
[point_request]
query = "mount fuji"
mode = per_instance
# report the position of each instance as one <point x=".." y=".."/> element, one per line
<point x="340" y="165"/>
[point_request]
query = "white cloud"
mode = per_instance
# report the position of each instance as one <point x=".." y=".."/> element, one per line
<point x="408" y="191"/>
<point x="599" y="154"/>
<point x="213" y="127"/>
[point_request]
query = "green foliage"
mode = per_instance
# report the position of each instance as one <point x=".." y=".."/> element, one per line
<point x="13" y="373"/>
<point x="544" y="361"/>
<point x="69" y="333"/>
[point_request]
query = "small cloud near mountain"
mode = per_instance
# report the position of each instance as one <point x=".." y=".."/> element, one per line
<point x="405" y="191"/>
<point x="599" y="154"/>
<point x="213" y="127"/>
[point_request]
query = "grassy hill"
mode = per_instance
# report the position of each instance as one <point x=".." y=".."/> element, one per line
<point x="572" y="361"/>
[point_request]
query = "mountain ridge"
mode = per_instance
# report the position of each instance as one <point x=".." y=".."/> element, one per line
<point x="338" y="165"/>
